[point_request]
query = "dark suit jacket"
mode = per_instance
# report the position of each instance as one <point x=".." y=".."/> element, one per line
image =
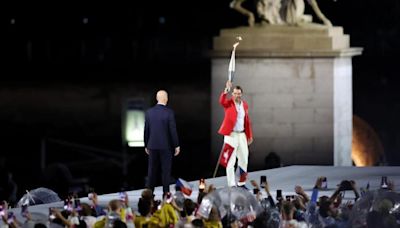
<point x="160" y="129"/>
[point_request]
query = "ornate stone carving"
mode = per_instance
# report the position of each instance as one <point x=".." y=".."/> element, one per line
<point x="289" y="12"/>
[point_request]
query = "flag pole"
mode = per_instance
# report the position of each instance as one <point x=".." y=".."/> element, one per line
<point x="231" y="71"/>
<point x="219" y="159"/>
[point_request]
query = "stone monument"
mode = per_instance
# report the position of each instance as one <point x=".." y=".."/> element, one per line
<point x="298" y="83"/>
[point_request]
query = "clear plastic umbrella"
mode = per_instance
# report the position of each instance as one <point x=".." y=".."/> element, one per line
<point x="376" y="207"/>
<point x="38" y="196"/>
<point x="179" y="199"/>
<point x="232" y="202"/>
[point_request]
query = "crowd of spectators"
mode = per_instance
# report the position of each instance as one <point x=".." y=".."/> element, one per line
<point x="368" y="208"/>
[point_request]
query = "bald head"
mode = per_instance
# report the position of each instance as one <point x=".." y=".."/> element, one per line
<point x="162" y="97"/>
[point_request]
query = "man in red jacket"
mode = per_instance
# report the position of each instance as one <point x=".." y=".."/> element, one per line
<point x="237" y="132"/>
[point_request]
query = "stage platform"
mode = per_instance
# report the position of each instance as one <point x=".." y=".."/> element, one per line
<point x="284" y="178"/>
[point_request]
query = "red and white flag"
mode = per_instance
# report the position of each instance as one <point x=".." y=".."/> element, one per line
<point x="226" y="154"/>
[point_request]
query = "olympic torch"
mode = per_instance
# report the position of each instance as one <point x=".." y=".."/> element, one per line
<point x="231" y="70"/>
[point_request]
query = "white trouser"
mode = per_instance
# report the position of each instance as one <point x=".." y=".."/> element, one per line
<point x="239" y="142"/>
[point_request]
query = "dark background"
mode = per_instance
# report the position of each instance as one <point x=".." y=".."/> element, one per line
<point x="64" y="79"/>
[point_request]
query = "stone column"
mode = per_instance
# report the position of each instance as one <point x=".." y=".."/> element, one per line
<point x="298" y="83"/>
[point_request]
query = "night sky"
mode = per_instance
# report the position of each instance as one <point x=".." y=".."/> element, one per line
<point x="65" y="67"/>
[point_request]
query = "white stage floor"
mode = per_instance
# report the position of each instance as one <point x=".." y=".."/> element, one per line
<point x="284" y="178"/>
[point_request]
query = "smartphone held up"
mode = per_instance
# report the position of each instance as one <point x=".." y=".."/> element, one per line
<point x="263" y="181"/>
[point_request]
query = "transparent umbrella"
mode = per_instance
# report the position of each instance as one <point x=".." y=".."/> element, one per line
<point x="232" y="202"/>
<point x="376" y="208"/>
<point x="38" y="196"/>
<point x="179" y="199"/>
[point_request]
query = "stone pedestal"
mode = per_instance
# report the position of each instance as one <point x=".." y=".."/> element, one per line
<point x="298" y="83"/>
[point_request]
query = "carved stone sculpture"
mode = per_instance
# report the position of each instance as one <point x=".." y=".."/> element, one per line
<point x="289" y="12"/>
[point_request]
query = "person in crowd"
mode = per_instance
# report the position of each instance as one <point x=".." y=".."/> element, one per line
<point x="287" y="213"/>
<point x="86" y="215"/>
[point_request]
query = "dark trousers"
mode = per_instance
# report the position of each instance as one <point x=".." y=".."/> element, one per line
<point x="157" y="157"/>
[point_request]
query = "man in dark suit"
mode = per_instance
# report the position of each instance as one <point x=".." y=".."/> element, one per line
<point x="160" y="139"/>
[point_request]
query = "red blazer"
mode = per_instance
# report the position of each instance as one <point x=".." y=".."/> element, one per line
<point x="231" y="115"/>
